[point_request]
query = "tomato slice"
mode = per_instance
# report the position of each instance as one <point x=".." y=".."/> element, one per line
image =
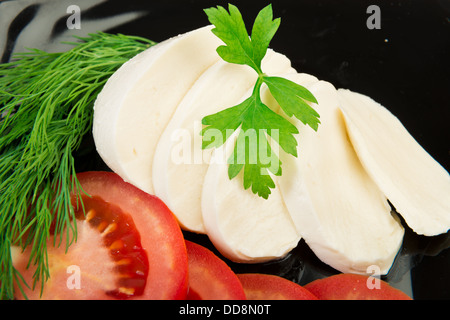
<point x="346" y="286"/>
<point x="210" y="278"/>
<point x="129" y="246"/>
<point x="259" y="286"/>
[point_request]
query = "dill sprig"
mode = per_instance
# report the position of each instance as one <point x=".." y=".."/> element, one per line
<point x="46" y="108"/>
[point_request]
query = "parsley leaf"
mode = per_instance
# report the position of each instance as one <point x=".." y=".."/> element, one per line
<point x="262" y="33"/>
<point x="260" y="127"/>
<point x="291" y="98"/>
<point x="240" y="49"/>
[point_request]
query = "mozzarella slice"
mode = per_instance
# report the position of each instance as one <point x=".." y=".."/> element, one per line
<point x="245" y="228"/>
<point x="180" y="164"/>
<point x="415" y="183"/>
<point x="337" y="208"/>
<point x="139" y="99"/>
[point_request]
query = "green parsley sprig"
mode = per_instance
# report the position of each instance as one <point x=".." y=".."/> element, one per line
<point x="253" y="115"/>
<point x="46" y="108"/>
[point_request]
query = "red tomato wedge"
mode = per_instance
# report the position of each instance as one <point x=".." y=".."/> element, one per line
<point x="346" y="286"/>
<point x="259" y="286"/>
<point x="210" y="278"/>
<point x="129" y="246"/>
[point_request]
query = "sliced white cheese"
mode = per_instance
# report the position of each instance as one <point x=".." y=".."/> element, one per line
<point x="337" y="208"/>
<point x="180" y="164"/>
<point x="244" y="228"/>
<point x="139" y="99"/>
<point x="414" y="182"/>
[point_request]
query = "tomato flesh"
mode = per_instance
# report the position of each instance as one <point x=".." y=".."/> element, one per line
<point x="346" y="286"/>
<point x="259" y="286"/>
<point x="121" y="237"/>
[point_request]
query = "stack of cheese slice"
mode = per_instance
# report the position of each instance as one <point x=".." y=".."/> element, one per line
<point x="147" y="123"/>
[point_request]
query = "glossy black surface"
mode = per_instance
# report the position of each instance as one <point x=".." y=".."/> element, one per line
<point x="404" y="66"/>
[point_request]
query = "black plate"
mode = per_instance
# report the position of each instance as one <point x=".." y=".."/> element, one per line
<point x="403" y="65"/>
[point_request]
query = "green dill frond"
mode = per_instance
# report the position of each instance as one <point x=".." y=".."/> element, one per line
<point x="46" y="108"/>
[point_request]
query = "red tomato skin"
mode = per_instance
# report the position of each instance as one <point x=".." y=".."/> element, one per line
<point x="164" y="230"/>
<point x="258" y="286"/>
<point x="346" y="286"/>
<point x="210" y="278"/>
<point x="160" y="234"/>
